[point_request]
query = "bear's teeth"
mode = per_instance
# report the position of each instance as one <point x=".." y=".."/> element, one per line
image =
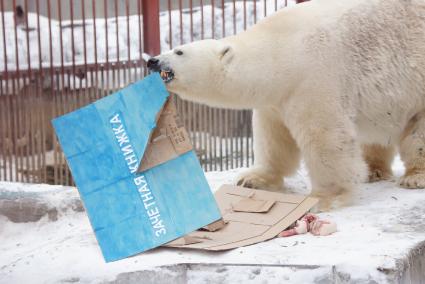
<point x="166" y="75"/>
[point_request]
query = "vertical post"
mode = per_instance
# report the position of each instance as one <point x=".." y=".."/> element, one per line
<point x="151" y="36"/>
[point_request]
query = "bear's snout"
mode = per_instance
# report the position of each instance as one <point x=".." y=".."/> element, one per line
<point x="153" y="64"/>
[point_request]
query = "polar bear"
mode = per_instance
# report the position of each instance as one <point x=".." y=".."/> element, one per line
<point x="340" y="83"/>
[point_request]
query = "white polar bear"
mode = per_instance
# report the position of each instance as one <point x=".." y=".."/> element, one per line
<point x="339" y="82"/>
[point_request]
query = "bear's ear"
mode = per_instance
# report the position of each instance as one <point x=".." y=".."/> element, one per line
<point x="226" y="53"/>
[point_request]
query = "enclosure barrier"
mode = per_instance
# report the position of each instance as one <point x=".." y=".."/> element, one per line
<point x="61" y="55"/>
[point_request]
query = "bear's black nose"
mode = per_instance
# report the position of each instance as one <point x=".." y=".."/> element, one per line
<point x="153" y="64"/>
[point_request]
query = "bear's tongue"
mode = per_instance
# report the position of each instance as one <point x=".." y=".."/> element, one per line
<point x="167" y="75"/>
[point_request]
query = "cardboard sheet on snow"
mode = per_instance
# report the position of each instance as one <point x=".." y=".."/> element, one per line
<point x="249" y="216"/>
<point x="132" y="161"/>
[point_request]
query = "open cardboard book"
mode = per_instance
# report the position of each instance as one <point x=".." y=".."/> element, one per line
<point x="249" y="216"/>
<point x="137" y="174"/>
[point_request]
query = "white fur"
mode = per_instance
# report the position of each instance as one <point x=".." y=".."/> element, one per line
<point x="323" y="78"/>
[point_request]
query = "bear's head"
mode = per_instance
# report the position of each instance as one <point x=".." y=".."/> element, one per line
<point x="202" y="71"/>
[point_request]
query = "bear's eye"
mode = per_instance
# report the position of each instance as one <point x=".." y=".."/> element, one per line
<point x="179" y="52"/>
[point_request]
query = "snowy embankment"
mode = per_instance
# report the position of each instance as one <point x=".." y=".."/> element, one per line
<point x="381" y="239"/>
<point x="62" y="30"/>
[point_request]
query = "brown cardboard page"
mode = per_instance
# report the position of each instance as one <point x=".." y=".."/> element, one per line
<point x="168" y="140"/>
<point x="217" y="225"/>
<point x="254" y="206"/>
<point x="259" y="216"/>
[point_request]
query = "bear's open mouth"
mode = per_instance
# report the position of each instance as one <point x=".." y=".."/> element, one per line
<point x="167" y="75"/>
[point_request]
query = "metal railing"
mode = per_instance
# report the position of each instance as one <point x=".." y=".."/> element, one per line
<point x="51" y="66"/>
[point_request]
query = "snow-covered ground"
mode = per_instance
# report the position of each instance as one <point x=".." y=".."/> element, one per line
<point x="381" y="238"/>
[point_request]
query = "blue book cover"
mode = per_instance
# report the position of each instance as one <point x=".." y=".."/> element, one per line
<point x="132" y="211"/>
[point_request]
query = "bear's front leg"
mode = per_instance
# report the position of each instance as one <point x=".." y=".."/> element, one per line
<point x="327" y="139"/>
<point x="275" y="151"/>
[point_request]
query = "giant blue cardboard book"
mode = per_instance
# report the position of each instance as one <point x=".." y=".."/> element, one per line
<point x="135" y="201"/>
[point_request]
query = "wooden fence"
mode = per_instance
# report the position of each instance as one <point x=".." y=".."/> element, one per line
<point x="51" y="66"/>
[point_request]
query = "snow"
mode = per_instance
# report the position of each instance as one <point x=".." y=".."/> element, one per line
<point x="375" y="238"/>
<point x="62" y="31"/>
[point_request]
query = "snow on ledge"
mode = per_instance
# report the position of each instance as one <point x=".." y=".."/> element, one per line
<point x="378" y="240"/>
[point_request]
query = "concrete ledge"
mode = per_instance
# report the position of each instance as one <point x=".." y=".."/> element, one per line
<point x="32" y="204"/>
<point x="380" y="239"/>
